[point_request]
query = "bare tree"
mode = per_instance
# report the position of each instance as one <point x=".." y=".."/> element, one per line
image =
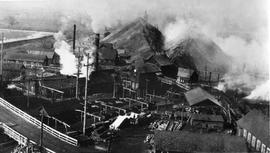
<point x="11" y="20"/>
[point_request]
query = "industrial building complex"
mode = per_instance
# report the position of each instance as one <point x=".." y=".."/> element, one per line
<point x="123" y="89"/>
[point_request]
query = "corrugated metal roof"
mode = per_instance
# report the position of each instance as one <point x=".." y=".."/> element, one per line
<point x="198" y="95"/>
<point x="207" y="117"/>
<point x="184" y="141"/>
<point x="258" y="124"/>
<point x="49" y="54"/>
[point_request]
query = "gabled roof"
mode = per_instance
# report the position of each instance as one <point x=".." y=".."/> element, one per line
<point x="147" y="55"/>
<point x="198" y="95"/>
<point x="147" y="68"/>
<point x="161" y="60"/>
<point x="25" y="57"/>
<point x="258" y="124"/>
<point x="184" y="141"/>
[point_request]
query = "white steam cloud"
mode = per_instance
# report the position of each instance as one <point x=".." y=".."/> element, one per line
<point x="69" y="61"/>
<point x="261" y="92"/>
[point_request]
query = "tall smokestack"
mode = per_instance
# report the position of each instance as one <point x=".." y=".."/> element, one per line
<point x="74" y="37"/>
<point x="97" y="48"/>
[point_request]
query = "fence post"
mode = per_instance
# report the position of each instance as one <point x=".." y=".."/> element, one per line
<point x="210" y="73"/>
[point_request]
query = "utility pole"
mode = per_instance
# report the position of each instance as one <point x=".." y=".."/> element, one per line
<point x="78" y="56"/>
<point x="114" y="85"/>
<point x="205" y="73"/>
<point x="42" y="113"/>
<point x="78" y="73"/>
<point x="85" y="94"/>
<point x="28" y="102"/>
<point x="41" y="131"/>
<point x="2" y="47"/>
<point x="146" y="87"/>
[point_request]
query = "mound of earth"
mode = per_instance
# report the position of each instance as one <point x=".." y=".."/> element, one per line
<point x="139" y="39"/>
<point x="198" y="52"/>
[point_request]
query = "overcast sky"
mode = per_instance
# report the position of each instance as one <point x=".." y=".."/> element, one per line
<point x="244" y="15"/>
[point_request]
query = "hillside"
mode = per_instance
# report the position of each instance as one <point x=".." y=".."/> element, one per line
<point x="138" y="38"/>
<point x="198" y="52"/>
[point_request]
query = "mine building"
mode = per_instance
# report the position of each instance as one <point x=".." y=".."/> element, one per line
<point x="104" y="80"/>
<point x="143" y="77"/>
<point x="198" y="97"/>
<point x="208" y="122"/>
<point x="254" y="127"/>
<point x="208" y="112"/>
<point x="13" y="70"/>
<point x="28" y="60"/>
<point x="184" y="141"/>
<point x="107" y="54"/>
<point x="53" y="57"/>
<point x="162" y="61"/>
<point x="124" y="56"/>
<point x="58" y="87"/>
<point x="184" y="74"/>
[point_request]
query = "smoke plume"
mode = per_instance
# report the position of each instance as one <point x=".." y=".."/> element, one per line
<point x="261" y="92"/>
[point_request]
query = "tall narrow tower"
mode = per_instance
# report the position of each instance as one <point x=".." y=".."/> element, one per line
<point x="97" y="48"/>
<point x="74" y="38"/>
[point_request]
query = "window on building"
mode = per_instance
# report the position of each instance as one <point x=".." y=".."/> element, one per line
<point x="258" y="145"/>
<point x="249" y="137"/>
<point x="245" y="133"/>
<point x="240" y="132"/>
<point x="263" y="148"/>
<point x="253" y="141"/>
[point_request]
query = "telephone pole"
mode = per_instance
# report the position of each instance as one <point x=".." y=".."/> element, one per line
<point x="2" y="47"/>
<point x="79" y="58"/>
<point x="43" y="113"/>
<point x="85" y="94"/>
